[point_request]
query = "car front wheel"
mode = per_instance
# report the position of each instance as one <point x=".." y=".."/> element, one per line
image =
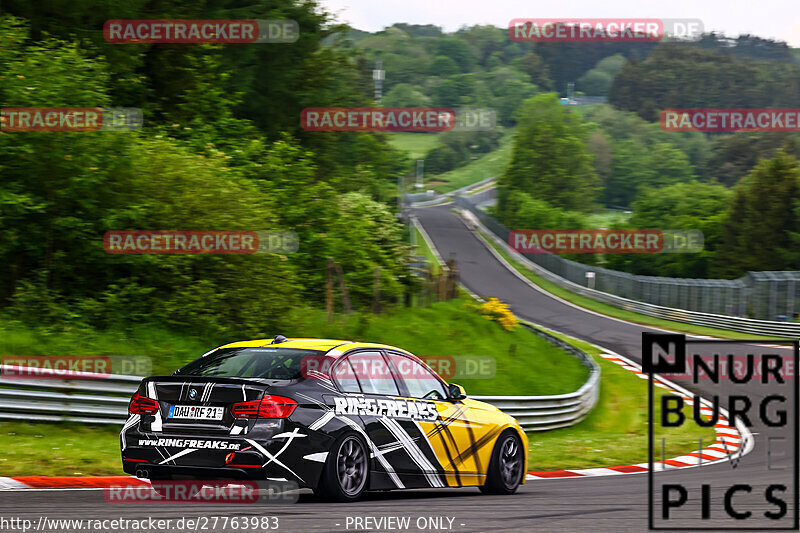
<point x="506" y="466"/>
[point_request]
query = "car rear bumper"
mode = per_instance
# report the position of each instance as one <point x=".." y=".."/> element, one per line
<point x="254" y="456"/>
<point x="164" y="472"/>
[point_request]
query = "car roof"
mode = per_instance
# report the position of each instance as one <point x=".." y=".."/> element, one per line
<point x="330" y="346"/>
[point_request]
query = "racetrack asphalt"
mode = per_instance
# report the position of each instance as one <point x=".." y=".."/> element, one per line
<point x="597" y="504"/>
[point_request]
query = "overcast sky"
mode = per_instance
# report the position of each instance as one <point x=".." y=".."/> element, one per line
<point x="772" y="19"/>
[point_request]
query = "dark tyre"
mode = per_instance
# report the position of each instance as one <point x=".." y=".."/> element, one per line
<point x="346" y="472"/>
<point x="506" y="466"/>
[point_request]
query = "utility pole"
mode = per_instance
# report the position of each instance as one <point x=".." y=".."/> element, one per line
<point x="378" y="75"/>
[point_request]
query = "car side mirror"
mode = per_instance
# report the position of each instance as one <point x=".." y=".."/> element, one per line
<point x="457" y="392"/>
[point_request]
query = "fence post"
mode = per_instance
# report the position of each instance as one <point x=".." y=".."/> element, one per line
<point x="451" y="282"/>
<point x="343" y="287"/>
<point x="329" y="290"/>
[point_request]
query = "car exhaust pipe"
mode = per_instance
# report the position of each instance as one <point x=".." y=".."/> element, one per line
<point x="142" y="473"/>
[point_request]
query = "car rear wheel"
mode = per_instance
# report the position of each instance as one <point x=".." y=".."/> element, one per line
<point x="506" y="466"/>
<point x="346" y="472"/>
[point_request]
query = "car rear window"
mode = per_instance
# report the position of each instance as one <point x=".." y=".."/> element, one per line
<point x="267" y="363"/>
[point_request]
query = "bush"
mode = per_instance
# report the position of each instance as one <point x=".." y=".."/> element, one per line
<point x="498" y="311"/>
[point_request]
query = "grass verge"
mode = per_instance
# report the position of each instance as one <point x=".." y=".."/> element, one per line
<point x="607" y="218"/>
<point x="492" y="164"/>
<point x="42" y="449"/>
<point x="610" y="310"/>
<point x="615" y="432"/>
<point x="425" y="251"/>
<point x="525" y="364"/>
<point x="166" y="350"/>
<point x="414" y="143"/>
<point x="445" y="328"/>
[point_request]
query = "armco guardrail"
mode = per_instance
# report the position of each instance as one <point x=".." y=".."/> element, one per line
<point x="82" y="398"/>
<point x="539" y="413"/>
<point x="746" y="325"/>
<point x="759" y="295"/>
<point x="103" y="399"/>
<point x="423" y="199"/>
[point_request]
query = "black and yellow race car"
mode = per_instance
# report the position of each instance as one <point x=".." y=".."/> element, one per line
<point x="338" y="417"/>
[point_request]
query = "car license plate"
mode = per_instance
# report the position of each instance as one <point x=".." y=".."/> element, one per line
<point x="195" y="412"/>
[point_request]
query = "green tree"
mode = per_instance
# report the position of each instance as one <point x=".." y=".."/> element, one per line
<point x="405" y="95"/>
<point x="636" y="166"/>
<point x="760" y="225"/>
<point x="733" y="156"/>
<point x="621" y="125"/>
<point x="681" y="206"/>
<point x="629" y="171"/>
<point x="238" y="98"/>
<point x="679" y="75"/>
<point x="550" y="160"/>
<point x="485" y="41"/>
<point x="532" y="64"/>
<point x="669" y="165"/>
<point x="444" y="66"/>
<point x="458" y="50"/>
<point x="526" y="212"/>
<point x="595" y="83"/>
<point x="598" y="80"/>
<point x="508" y="97"/>
<point x="456" y="91"/>
<point x="61" y="191"/>
<point x="600" y="148"/>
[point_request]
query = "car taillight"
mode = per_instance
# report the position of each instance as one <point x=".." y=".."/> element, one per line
<point x="266" y="407"/>
<point x="245" y="409"/>
<point x="142" y="405"/>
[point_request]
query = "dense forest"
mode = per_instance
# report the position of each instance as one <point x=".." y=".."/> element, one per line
<point x="222" y="147"/>
<point x="742" y="190"/>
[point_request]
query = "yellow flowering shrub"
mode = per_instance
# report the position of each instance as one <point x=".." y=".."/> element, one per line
<point x="496" y="310"/>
